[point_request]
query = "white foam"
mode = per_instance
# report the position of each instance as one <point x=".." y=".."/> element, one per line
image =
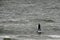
<point x="39" y="31"/>
<point x="54" y="36"/>
<point x="7" y="36"/>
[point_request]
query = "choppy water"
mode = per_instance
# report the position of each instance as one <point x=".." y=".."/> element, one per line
<point x="20" y="17"/>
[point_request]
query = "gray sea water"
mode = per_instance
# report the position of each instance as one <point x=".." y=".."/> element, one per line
<point x="21" y="17"/>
